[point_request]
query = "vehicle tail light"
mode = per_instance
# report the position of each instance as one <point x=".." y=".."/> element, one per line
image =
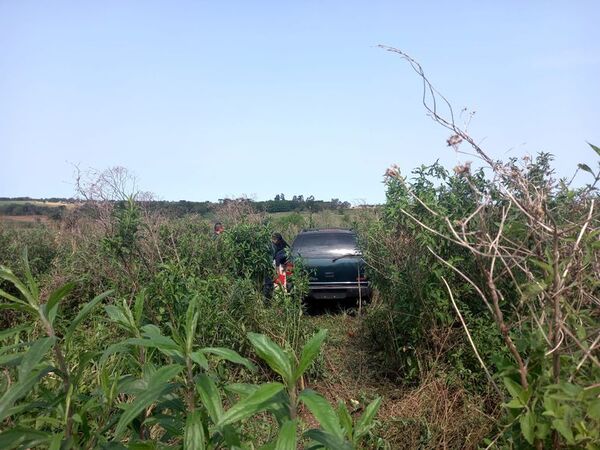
<point x="361" y="278"/>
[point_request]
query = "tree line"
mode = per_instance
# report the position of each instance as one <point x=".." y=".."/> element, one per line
<point x="26" y="206"/>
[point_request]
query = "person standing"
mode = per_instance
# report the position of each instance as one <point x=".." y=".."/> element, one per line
<point x="279" y="253"/>
<point x="280" y="247"/>
<point x="218" y="229"/>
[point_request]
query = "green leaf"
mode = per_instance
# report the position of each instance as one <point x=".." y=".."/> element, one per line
<point x="31" y="284"/>
<point x="11" y="359"/>
<point x="328" y="440"/>
<point x="595" y="148"/>
<point x="542" y="430"/>
<point x="287" y="436"/>
<point x="154" y="339"/>
<point x="241" y="389"/>
<point x="20" y="437"/>
<point x="193" y="437"/>
<point x="345" y="419"/>
<point x="10" y="297"/>
<point x="550" y="406"/>
<point x="322" y="411"/>
<point x="199" y="359"/>
<point x="8" y="275"/>
<point x="83" y="313"/>
<point x="231" y="437"/>
<point x="229" y="355"/>
<point x="16" y="303"/>
<point x="593" y="409"/>
<point x="35" y="354"/>
<point x="9" y="332"/>
<point x="116" y="314"/>
<point x="20" y="389"/>
<point x="157" y="386"/>
<point x="269" y="446"/>
<point x="527" y="422"/>
<point x="542" y="265"/>
<point x="310" y="352"/>
<point x="21" y="306"/>
<point x="564" y="429"/>
<point x="51" y="306"/>
<point x="531" y="290"/>
<point x="274" y="356"/>
<point x="585" y="167"/>
<point x="516" y="390"/>
<point x="171" y="424"/>
<point x="572" y="390"/>
<point x="365" y="422"/>
<point x="210" y="397"/>
<point x="253" y="403"/>
<point x="56" y="441"/>
<point x="515" y="403"/>
<point x="138" y="307"/>
<point x="191" y="322"/>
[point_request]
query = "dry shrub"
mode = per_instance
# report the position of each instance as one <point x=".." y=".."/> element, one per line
<point x="434" y="415"/>
<point x="234" y="211"/>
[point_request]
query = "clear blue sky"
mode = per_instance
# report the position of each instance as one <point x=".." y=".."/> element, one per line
<point x="203" y="100"/>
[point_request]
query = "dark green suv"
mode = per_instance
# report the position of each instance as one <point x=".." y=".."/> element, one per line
<point x="334" y="262"/>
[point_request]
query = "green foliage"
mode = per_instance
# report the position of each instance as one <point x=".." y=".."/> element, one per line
<point x="338" y="430"/>
<point x="520" y="253"/>
<point x="123" y="239"/>
<point x="247" y="248"/>
<point x="41" y="245"/>
<point x="149" y="383"/>
<point x="416" y="308"/>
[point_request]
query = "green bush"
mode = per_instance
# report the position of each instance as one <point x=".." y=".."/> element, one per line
<point x="416" y="323"/>
<point x="149" y="389"/>
<point x="494" y="281"/>
<point x="247" y="251"/>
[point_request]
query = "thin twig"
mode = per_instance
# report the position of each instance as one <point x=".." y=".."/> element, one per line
<point x="462" y="321"/>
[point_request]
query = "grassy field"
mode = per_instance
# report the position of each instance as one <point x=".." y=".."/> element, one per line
<point x="32" y="212"/>
<point x="38" y="203"/>
<point x="24" y="220"/>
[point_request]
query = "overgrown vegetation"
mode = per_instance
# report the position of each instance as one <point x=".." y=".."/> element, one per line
<point x="176" y="388"/>
<point x="126" y="327"/>
<point x="490" y="277"/>
<point x="154" y="361"/>
<point x="494" y="283"/>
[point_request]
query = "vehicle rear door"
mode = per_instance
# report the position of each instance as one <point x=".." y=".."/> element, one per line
<point x="331" y="257"/>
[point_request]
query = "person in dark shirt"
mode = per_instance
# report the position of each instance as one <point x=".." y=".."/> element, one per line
<point x="280" y="247"/>
<point x="279" y="253"/>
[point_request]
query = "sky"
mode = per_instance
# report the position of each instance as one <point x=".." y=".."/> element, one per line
<point x="206" y="100"/>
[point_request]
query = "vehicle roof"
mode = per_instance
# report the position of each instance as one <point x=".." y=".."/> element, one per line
<point x="328" y="230"/>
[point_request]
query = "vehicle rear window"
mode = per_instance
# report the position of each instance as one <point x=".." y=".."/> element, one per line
<point x="328" y="244"/>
